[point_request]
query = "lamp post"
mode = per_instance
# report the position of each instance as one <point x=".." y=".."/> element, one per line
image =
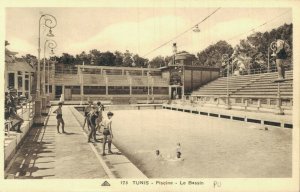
<point x="51" y="44"/>
<point x="50" y="22"/>
<point x="225" y="59"/>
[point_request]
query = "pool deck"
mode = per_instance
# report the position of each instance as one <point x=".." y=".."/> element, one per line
<point x="280" y="121"/>
<point x="46" y="154"/>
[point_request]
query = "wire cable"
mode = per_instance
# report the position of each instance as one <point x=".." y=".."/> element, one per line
<point x="182" y="32"/>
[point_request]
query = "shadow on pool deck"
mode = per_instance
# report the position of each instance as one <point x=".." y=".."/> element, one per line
<point x="47" y="154"/>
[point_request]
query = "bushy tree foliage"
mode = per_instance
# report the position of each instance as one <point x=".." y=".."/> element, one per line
<point x="250" y="53"/>
<point x="253" y="51"/>
<point x="158" y="61"/>
<point x="212" y="55"/>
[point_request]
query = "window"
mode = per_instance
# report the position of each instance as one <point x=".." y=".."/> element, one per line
<point x="94" y="90"/>
<point x="50" y="88"/>
<point x="20" y="82"/>
<point x="11" y="80"/>
<point x="26" y="85"/>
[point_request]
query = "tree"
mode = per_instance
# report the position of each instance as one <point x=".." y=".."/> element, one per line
<point x="31" y="59"/>
<point x="140" y="61"/>
<point x="253" y="50"/>
<point x="119" y="58"/>
<point x="95" y="57"/>
<point x="107" y="59"/>
<point x="127" y="59"/>
<point x="212" y="55"/>
<point x="157" y="61"/>
<point x="168" y="59"/>
<point x="67" y="59"/>
<point x="83" y="57"/>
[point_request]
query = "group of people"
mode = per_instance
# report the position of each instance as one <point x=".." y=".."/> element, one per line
<point x="95" y="121"/>
<point x="10" y="115"/>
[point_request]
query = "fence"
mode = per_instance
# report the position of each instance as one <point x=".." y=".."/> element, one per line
<point x="243" y="103"/>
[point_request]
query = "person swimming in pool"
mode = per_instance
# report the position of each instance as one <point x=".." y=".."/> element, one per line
<point x="176" y="157"/>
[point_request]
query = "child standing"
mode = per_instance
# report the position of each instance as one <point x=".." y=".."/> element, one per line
<point x="107" y="133"/>
<point x="59" y="118"/>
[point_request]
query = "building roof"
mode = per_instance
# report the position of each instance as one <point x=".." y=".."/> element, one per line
<point x="10" y="55"/>
<point x="19" y="66"/>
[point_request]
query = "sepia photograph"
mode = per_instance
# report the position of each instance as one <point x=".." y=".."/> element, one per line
<point x="149" y="96"/>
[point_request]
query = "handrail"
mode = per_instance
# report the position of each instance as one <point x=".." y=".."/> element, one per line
<point x="258" y="71"/>
<point x="243" y="97"/>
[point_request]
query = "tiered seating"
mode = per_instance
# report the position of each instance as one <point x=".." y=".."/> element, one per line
<point x="219" y="86"/>
<point x="254" y="86"/>
<point x="265" y="88"/>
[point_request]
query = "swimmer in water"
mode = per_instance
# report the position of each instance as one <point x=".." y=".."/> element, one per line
<point x="169" y="158"/>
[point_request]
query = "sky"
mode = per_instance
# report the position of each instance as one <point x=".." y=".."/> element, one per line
<point x="139" y="30"/>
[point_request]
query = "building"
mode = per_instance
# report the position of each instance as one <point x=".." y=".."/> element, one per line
<point x="185" y="77"/>
<point x="18" y="74"/>
<point x="127" y="84"/>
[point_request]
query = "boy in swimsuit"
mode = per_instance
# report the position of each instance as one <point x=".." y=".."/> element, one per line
<point x="59" y="118"/>
<point x="107" y="133"/>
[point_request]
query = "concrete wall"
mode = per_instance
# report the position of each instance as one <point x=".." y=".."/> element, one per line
<point x="194" y="78"/>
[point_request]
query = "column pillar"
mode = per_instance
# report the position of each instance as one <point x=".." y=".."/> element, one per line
<point x="130" y="86"/>
<point x="16" y="80"/>
<point x="152" y="82"/>
<point x="29" y="84"/>
<point x="106" y="85"/>
<point x="53" y="91"/>
<point x="5" y="77"/>
<point x="279" y="103"/>
<point x="23" y="83"/>
<point x="259" y="103"/>
<point x="81" y="85"/>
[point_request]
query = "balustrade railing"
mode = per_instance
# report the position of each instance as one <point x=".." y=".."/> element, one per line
<point x="256" y="71"/>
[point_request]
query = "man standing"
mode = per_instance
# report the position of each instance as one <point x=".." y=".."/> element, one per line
<point x="100" y="109"/>
<point x="282" y="49"/>
<point x="87" y="110"/>
<point x="93" y="116"/>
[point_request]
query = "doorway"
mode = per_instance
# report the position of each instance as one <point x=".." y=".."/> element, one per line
<point x="58" y="92"/>
<point x="176" y="93"/>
